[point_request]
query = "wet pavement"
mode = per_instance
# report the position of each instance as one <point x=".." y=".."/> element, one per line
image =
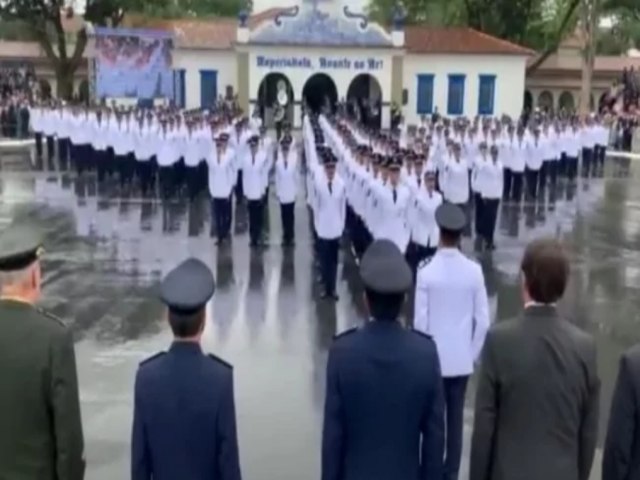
<point x="106" y="253"/>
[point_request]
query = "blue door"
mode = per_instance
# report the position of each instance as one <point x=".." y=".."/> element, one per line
<point x="208" y="88"/>
<point x="179" y="90"/>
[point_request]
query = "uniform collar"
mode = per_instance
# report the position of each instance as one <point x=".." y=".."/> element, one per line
<point x="378" y="324"/>
<point x="534" y="309"/>
<point x="185" y="347"/>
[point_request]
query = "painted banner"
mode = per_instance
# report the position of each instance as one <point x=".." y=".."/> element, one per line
<point x="133" y="63"/>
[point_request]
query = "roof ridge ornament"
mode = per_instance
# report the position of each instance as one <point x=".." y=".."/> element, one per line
<point x="364" y="20"/>
<point x="399" y="15"/>
<point x="245" y="13"/>
<point x="290" y="12"/>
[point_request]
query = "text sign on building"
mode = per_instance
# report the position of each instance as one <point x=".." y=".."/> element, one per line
<point x="324" y="63"/>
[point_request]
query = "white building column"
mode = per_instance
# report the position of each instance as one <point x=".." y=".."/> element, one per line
<point x="297" y="111"/>
<point x="386" y="116"/>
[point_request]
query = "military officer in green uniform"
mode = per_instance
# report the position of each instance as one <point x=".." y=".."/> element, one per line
<point x="40" y="425"/>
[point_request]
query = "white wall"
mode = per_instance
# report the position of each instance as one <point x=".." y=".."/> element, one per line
<point x="341" y="75"/>
<point x="194" y="60"/>
<point x="509" y="89"/>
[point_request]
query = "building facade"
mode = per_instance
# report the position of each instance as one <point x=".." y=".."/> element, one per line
<point x="556" y="83"/>
<point x="319" y="51"/>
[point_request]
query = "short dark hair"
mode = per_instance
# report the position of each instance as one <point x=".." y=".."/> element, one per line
<point x="450" y="238"/>
<point x="546" y="270"/>
<point x="384" y="306"/>
<point x="185" y="325"/>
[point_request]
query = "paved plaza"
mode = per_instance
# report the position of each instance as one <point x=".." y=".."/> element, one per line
<point x="107" y="251"/>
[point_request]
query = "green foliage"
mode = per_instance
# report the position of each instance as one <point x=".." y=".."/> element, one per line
<point x="625" y="31"/>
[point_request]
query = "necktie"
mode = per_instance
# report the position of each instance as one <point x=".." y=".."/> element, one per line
<point x="330" y="189"/>
<point x="395" y="195"/>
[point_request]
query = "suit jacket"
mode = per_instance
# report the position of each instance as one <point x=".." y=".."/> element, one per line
<point x="40" y="424"/>
<point x="184" y="420"/>
<point x="621" y="459"/>
<point x="536" y="414"/>
<point x="384" y="392"/>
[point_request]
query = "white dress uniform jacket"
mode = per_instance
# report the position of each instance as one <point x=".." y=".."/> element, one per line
<point x="424" y="229"/>
<point x="394" y="215"/>
<point x="254" y="174"/>
<point x="287" y="177"/>
<point x="222" y="173"/>
<point x="455" y="184"/>
<point x="451" y="305"/>
<point x="329" y="207"/>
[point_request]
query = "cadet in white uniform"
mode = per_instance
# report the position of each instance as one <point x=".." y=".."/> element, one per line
<point x="222" y="176"/>
<point x="330" y="209"/>
<point x="451" y="306"/>
<point x="392" y="204"/>
<point x="286" y="167"/>
<point x="490" y="179"/>
<point x="534" y="158"/>
<point x="425" y="233"/>
<point x="253" y="175"/>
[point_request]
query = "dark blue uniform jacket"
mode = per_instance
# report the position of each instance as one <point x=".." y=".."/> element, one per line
<point x="184" y="423"/>
<point x="384" y="409"/>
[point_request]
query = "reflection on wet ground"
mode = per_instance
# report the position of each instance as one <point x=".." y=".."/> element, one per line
<point x="106" y="253"/>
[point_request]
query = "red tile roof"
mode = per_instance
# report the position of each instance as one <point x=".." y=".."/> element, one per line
<point x="458" y="40"/>
<point x="211" y="33"/>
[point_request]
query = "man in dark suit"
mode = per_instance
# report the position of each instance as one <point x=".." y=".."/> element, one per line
<point x="384" y="406"/>
<point x="184" y="421"/>
<point x="536" y="414"/>
<point x="40" y="424"/>
<point x="621" y="460"/>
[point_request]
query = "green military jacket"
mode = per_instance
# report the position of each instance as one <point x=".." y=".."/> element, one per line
<point x="40" y="425"/>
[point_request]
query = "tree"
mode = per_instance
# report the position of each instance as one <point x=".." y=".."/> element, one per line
<point x="624" y="30"/>
<point x="537" y="24"/>
<point x="589" y="23"/>
<point x="45" y="21"/>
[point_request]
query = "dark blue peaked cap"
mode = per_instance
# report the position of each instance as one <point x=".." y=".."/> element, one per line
<point x="384" y="269"/>
<point x="188" y="287"/>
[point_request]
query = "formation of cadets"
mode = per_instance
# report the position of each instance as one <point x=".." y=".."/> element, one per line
<point x="388" y="183"/>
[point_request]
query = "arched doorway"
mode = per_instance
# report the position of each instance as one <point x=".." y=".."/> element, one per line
<point x="270" y="95"/>
<point x="364" y="100"/>
<point x="320" y="93"/>
<point x="545" y="101"/>
<point x="566" y="102"/>
<point x="45" y="89"/>
<point x="83" y="92"/>
<point x="528" y="101"/>
<point x="605" y="102"/>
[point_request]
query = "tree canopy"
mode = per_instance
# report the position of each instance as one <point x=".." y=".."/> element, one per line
<point x="538" y="24"/>
<point x="46" y="21"/>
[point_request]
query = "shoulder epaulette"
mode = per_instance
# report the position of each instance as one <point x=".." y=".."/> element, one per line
<point x="51" y="316"/>
<point x="153" y="357"/>
<point x="345" y="333"/>
<point x="425" y="262"/>
<point x="221" y="361"/>
<point x="426" y="335"/>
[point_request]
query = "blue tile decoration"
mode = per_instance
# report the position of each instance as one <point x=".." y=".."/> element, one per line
<point x="312" y="26"/>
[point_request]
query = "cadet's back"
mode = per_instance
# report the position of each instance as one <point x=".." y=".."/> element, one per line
<point x="386" y="382"/>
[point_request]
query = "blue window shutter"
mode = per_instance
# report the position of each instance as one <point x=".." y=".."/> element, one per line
<point x="179" y="87"/>
<point x="486" y="94"/>
<point x="425" y="94"/>
<point x="455" y="97"/>
<point x="208" y="88"/>
<point x="183" y="88"/>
